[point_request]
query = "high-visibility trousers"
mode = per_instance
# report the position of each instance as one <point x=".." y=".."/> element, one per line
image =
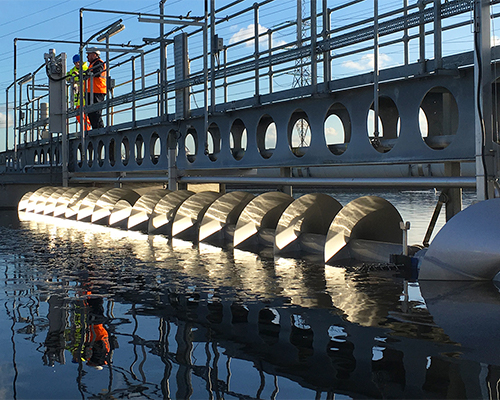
<point x="86" y="120"/>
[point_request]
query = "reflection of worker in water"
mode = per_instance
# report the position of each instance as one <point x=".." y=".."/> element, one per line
<point x="54" y="343"/>
<point x="96" y="346"/>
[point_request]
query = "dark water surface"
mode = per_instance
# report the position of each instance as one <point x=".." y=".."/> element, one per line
<point x="90" y="312"/>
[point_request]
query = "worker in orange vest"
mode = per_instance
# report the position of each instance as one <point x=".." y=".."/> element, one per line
<point x="95" y="85"/>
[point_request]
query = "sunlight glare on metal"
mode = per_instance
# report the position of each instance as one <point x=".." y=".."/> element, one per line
<point x="111" y="32"/>
<point x="243" y="233"/>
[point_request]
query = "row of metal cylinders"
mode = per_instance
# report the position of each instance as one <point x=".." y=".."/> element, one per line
<point x="366" y="228"/>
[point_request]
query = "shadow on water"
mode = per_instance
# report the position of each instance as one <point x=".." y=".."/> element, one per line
<point x="103" y="313"/>
<point x="9" y="218"/>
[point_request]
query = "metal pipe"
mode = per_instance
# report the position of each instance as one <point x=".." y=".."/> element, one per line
<point x="205" y="79"/>
<point x="15" y="100"/>
<point x="32" y="130"/>
<point x="406" y="38"/>
<point x="438" y="45"/>
<point x="133" y="91"/>
<point x="214" y="49"/>
<point x="375" y="69"/>
<point x="20" y="118"/>
<point x="83" y="94"/>
<point x="7" y="119"/>
<point x="326" y="52"/>
<point x="421" y="33"/>
<point x="417" y="182"/>
<point x="314" y="29"/>
<point x="256" y="50"/>
<point x="107" y="81"/>
<point x="225" y="76"/>
<point x="162" y="61"/>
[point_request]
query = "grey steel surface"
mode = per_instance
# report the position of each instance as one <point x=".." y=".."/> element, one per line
<point x="107" y="201"/>
<point x="119" y="214"/>
<point x="23" y="203"/>
<point x="190" y="215"/>
<point x="467" y="247"/>
<point x="432" y="84"/>
<point x="260" y="215"/>
<point x="366" y="218"/>
<point x="143" y="208"/>
<point x="163" y="214"/>
<point x="67" y="200"/>
<point x="219" y="221"/>
<point x="309" y="214"/>
<point x="87" y="204"/>
<point x="50" y="204"/>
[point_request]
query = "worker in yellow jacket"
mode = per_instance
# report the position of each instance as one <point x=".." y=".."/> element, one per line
<point x="73" y="76"/>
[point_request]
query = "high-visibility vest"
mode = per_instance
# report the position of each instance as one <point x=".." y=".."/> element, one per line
<point x="75" y="74"/>
<point x="98" y="82"/>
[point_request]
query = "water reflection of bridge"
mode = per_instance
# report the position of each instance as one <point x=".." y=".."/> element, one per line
<point x="262" y="125"/>
<point x="330" y="330"/>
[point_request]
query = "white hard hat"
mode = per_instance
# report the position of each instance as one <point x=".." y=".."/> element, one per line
<point x="93" y="50"/>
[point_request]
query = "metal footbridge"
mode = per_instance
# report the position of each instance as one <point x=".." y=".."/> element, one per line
<point x="306" y="93"/>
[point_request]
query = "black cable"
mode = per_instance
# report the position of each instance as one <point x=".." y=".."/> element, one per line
<point x="55" y="79"/>
<point x="479" y="110"/>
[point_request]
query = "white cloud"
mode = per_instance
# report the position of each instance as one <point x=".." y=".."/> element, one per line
<point x="2" y="120"/>
<point x="333" y="136"/>
<point x="495" y="40"/>
<point x="248" y="33"/>
<point x="366" y="62"/>
<point x="271" y="136"/>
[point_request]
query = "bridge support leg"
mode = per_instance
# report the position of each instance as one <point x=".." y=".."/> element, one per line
<point x="285" y="172"/>
<point x="172" y="163"/>
<point x="486" y="156"/>
<point x="454" y="203"/>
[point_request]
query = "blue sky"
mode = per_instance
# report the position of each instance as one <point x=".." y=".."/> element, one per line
<point x="58" y="19"/>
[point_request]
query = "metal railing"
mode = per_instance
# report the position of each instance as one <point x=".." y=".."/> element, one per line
<point x="276" y="42"/>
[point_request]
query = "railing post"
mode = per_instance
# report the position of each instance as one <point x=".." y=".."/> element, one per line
<point x="438" y="47"/>
<point x="213" y="51"/>
<point x="225" y="75"/>
<point x="486" y="153"/>
<point x="15" y="101"/>
<point x="375" y="69"/>
<point x="406" y="36"/>
<point x="314" y="64"/>
<point x="256" y="50"/>
<point x="270" y="53"/>
<point x="421" y="35"/>
<point x="163" y="69"/>
<point x="133" y="90"/>
<point x="326" y="51"/>
<point x="205" y="79"/>
<point x="7" y="119"/>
